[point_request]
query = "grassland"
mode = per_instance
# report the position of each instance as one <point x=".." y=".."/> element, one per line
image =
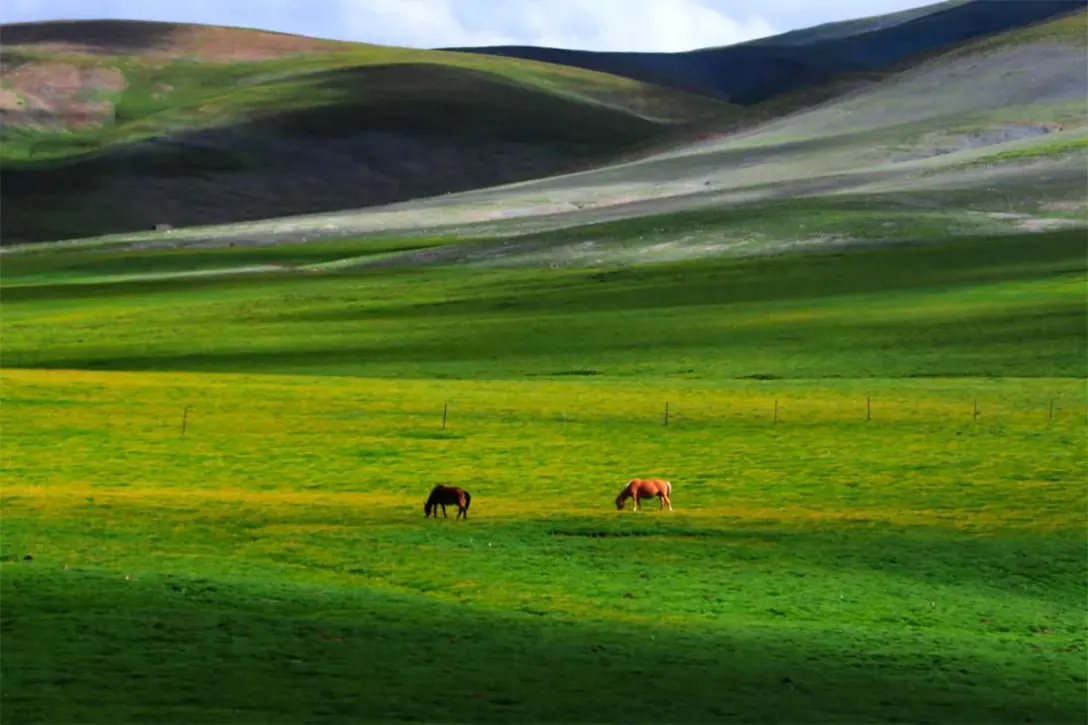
<point x="212" y="539"/>
<point x="272" y="563"/>
<point x="1011" y="305"/>
<point x="216" y="442"/>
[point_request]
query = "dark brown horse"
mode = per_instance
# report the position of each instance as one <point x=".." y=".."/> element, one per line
<point x="443" y="495"/>
<point x="638" y="488"/>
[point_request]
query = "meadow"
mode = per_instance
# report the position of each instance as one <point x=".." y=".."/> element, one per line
<point x="272" y="564"/>
<point x="1009" y="306"/>
<point x="877" y="457"/>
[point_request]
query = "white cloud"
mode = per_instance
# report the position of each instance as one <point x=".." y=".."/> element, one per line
<point x="648" y="25"/>
<point x="413" y="23"/>
<point x="622" y="25"/>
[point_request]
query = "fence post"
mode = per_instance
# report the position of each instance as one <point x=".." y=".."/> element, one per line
<point x="1050" y="415"/>
<point x="776" y="410"/>
<point x="868" y="409"/>
<point x="666" y="413"/>
<point x="185" y="419"/>
<point x="445" y="409"/>
<point x="976" y="410"/>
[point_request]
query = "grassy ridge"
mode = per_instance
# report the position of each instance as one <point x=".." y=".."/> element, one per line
<point x="916" y="567"/>
<point x="1010" y="305"/>
<point x="171" y="97"/>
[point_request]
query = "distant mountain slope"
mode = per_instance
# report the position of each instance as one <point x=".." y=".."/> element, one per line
<point x="117" y="126"/>
<point x="752" y="72"/>
<point x="855" y="26"/>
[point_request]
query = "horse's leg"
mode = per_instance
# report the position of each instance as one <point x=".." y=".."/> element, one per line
<point x="444" y="512"/>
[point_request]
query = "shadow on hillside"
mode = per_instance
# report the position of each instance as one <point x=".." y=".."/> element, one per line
<point x="188" y="651"/>
<point x="364" y="137"/>
<point x="513" y="345"/>
<point x="464" y="103"/>
<point x="1010" y="564"/>
<point x="95" y="36"/>
<point x="815" y="276"/>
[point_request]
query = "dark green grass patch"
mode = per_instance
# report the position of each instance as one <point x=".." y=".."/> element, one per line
<point x="1009" y="305"/>
<point x="273" y="652"/>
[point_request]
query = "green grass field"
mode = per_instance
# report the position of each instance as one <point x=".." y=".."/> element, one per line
<point x="273" y="564"/>
<point x="878" y="461"/>
<point x="984" y="306"/>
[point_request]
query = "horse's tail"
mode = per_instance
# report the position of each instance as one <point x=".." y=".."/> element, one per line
<point x="668" y="488"/>
<point x="468" y="500"/>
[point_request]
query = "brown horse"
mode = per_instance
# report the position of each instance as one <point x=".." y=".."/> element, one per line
<point x="442" y="495"/>
<point x="638" y="488"/>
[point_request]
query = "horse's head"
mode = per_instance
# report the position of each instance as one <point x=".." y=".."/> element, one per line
<point x="427" y="509"/>
<point x="620" y="501"/>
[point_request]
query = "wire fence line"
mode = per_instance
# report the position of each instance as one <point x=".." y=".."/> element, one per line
<point x="452" y="417"/>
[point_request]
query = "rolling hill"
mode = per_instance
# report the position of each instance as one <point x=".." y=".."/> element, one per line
<point x="988" y="137"/>
<point x="116" y="126"/>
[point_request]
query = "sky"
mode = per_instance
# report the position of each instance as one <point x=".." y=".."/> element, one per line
<point x="617" y="25"/>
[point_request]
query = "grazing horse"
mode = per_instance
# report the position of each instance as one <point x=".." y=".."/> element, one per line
<point x="638" y="488"/>
<point x="442" y="495"/>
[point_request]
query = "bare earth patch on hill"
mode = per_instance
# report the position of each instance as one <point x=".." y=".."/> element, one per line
<point x="58" y="95"/>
